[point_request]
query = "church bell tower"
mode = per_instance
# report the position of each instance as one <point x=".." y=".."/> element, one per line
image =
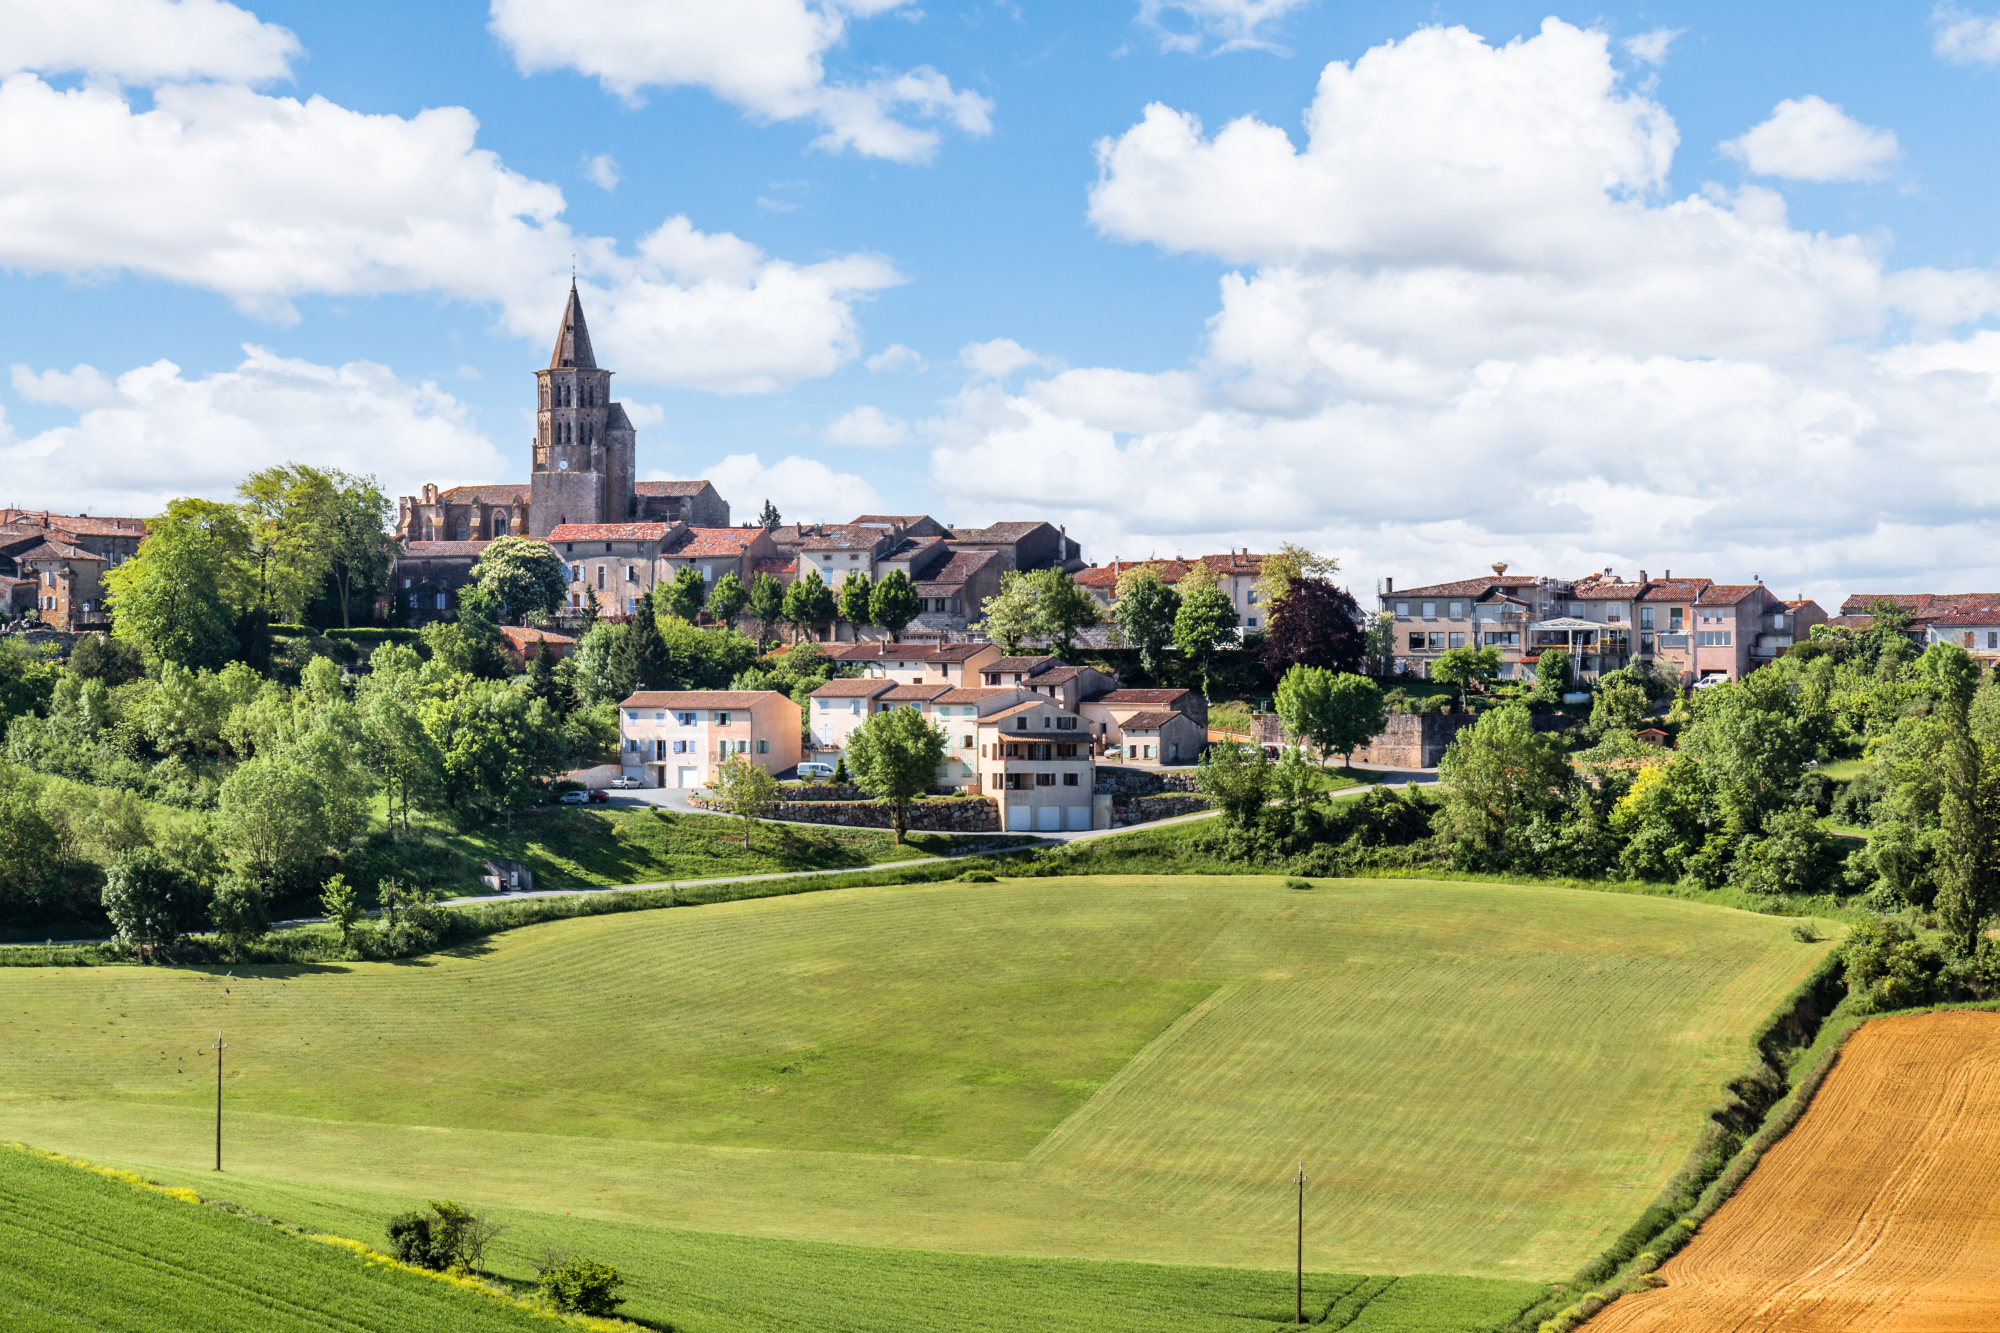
<point x="585" y="448"/>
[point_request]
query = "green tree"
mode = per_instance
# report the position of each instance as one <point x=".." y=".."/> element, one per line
<point x="1620" y="705"/>
<point x="240" y="912"/>
<point x="1555" y="672"/>
<point x="894" y="604"/>
<point x="99" y="657"/>
<point x="522" y="577"/>
<point x="769" y="517"/>
<point x="1336" y="711"/>
<point x="767" y="604"/>
<point x="640" y="660"/>
<point x="578" y="1285"/>
<point x="1462" y="666"/>
<point x="1062" y="607"/>
<point x="1205" y="622"/>
<point x="852" y="600"/>
<point x="1965" y="850"/>
<point x="685" y="596"/>
<point x="151" y="901"/>
<point x="743" y="789"/>
<point x="342" y="908"/>
<point x="1143" y="611"/>
<point x="1497" y="776"/>
<point x="1236" y="779"/>
<point x="170" y="600"/>
<point x="600" y="666"/>
<point x="1291" y="561"/>
<point x="893" y="756"/>
<point x="28" y="682"/>
<point x="283" y="810"/>
<point x="1753" y="739"/>
<point x="808" y="603"/>
<point x="492" y="743"/>
<point x="727" y="599"/>
<point x="1009" y="615"/>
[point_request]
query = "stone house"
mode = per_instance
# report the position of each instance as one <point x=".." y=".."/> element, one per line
<point x="427" y="576"/>
<point x="1107" y="711"/>
<point x="1162" y="737"/>
<point x="695" y="503"/>
<point x="69" y="584"/>
<point x="1489" y="611"/>
<point x="1035" y="760"/>
<point x="520" y="641"/>
<point x="618" y="562"/>
<point x="1237" y="574"/>
<point x="678" y="738"/>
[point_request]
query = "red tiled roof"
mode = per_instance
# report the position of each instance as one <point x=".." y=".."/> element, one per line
<point x="526" y="636"/>
<point x="55" y="550"/>
<point x="670" y="488"/>
<point x="701" y="698"/>
<point x="773" y="566"/>
<point x="1729" y="594"/>
<point x="1150" y="721"/>
<point x="1024" y="665"/>
<point x="1674" y="590"/>
<point x="843" y="537"/>
<point x="1969" y="617"/>
<point x="852" y="689"/>
<point x="1236" y="562"/>
<point x="609" y="532"/>
<point x="1139" y="697"/>
<point x="1024" y="707"/>
<point x="1473" y="587"/>
<point x="1606" y="592"/>
<point x="1921" y="605"/>
<point x="82" y="525"/>
<point x="444" y="549"/>
<point x="902" y="694"/>
<point x="714" y="541"/>
<point x="974" y="694"/>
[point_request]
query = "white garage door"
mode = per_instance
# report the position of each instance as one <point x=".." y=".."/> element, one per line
<point x="688" y="778"/>
<point x="1048" y="819"/>
<point x="1079" y="819"/>
<point x="1019" y="819"/>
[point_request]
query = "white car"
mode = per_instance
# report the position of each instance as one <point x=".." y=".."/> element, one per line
<point x="575" y="798"/>
<point x="624" y="783"/>
<point x="815" y="770"/>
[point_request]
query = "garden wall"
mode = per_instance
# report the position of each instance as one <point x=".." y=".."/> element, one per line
<point x="1411" y="740"/>
<point x="1113" y="780"/>
<point x="974" y="815"/>
<point x="1129" y="810"/>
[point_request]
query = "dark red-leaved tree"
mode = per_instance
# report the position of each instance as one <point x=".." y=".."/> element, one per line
<point x="1316" y="624"/>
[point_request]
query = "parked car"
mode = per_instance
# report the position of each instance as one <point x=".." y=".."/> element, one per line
<point x="623" y="783"/>
<point x="598" y="795"/>
<point x="815" y="770"/>
<point x="576" y="797"/>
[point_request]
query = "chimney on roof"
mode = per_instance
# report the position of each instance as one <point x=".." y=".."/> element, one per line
<point x="1642" y="576"/>
<point x="1668" y="576"/>
<point x="1390" y="584"/>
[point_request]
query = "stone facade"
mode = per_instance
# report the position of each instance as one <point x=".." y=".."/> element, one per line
<point x="979" y="814"/>
<point x="1129" y="810"/>
<point x="1411" y="740"/>
<point x="1118" y="781"/>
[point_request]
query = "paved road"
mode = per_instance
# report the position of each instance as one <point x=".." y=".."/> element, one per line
<point x="674" y="799"/>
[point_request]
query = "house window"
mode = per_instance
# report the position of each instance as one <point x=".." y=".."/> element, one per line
<point x="1676" y="618"/>
<point x="1416" y="643"/>
<point x="1020" y="724"/>
<point x="680" y="747"/>
<point x="631" y="574"/>
<point x="1253" y="622"/>
<point x="1430" y="610"/>
<point x="1402" y="608"/>
<point x="1714" y="638"/>
<point x="1069" y="779"/>
<point x="1457" y="640"/>
<point x="1645" y="617"/>
<point x="1576" y="609"/>
<point x="1457" y="610"/>
<point x="1437" y="642"/>
<point x="440" y="601"/>
<point x="722" y="719"/>
<point x="1614" y="612"/>
<point x="406" y="583"/>
<point x="1993" y="638"/>
<point x="631" y="715"/>
<point x="685" y="719"/>
<point x="1503" y="639"/>
<point x="1045" y="779"/>
<point x="600" y="578"/>
<point x="965" y="742"/>
<point x="763" y="747"/>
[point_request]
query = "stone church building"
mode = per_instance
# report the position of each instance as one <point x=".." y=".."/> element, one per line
<point x="583" y="461"/>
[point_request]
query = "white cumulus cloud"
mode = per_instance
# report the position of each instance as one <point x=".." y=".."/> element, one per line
<point x="999" y="358"/>
<point x="602" y="171"/>
<point x="1809" y="138"/>
<point x="1651" y="47"/>
<point x="765" y="56"/>
<point x="143" y="41"/>
<point x="1188" y="25"/>
<point x="1468" y="324"/>
<point x="897" y="357"/>
<point x="264" y="199"/>
<point x="153" y="433"/>
<point x="1965" y="39"/>
<point x="804" y="489"/>
<point x="868" y="427"/>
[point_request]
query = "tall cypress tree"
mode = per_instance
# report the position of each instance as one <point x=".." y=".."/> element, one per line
<point x="1966" y="810"/>
<point x="641" y="655"/>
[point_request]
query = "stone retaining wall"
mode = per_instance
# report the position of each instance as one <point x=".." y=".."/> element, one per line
<point x="1129" y="810"/>
<point x="977" y="814"/>
<point x="848" y="792"/>
<point x="1117" y="780"/>
<point x="1411" y="740"/>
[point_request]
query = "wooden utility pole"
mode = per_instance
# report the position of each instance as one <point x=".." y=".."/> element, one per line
<point x="1298" y="1290"/>
<point x="221" y="1045"/>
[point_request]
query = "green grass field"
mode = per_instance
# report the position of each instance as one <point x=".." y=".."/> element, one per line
<point x="87" y="1253"/>
<point x="1486" y="1081"/>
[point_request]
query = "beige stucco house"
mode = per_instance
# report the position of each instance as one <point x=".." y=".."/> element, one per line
<point x="677" y="738"/>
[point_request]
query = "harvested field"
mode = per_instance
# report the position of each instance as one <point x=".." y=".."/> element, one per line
<point x="1880" y="1211"/>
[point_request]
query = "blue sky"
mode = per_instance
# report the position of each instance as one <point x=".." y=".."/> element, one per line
<point x="1515" y="300"/>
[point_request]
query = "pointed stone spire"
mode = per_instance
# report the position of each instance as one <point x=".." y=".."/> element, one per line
<point x="573" y="338"/>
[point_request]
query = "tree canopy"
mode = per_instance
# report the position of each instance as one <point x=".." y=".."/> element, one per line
<point x="893" y="756"/>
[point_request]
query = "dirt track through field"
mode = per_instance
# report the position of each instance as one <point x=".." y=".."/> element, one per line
<point x="1880" y="1211"/>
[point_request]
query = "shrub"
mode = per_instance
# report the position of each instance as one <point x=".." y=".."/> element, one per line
<point x="1888" y="962"/>
<point x="979" y="877"/>
<point x="577" y="1285"/>
<point x="1298" y="884"/>
<point x="412" y="1237"/>
<point x="445" y="1235"/>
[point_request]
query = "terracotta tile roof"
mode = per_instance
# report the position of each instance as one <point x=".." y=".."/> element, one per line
<point x="1007" y="533"/>
<point x="1729" y="594"/>
<point x="609" y="532"/>
<point x="82" y="525"/>
<point x="413" y="549"/>
<point x="57" y="550"/>
<point x="1055" y="675"/>
<point x="1150" y="721"/>
<point x="671" y="699"/>
<point x="1026" y="707"/>
<point x="919" y="550"/>
<point x="893" y="520"/>
<point x="959" y="569"/>
<point x="1606" y="592"/>
<point x="1850" y="622"/>
<point x="1139" y="697"/>
<point x="852" y="689"/>
<point x="1674" y="590"/>
<point x="904" y="694"/>
<point x="1024" y="665"/>
<point x="1474" y="587"/>
<point x="773" y="566"/>
<point x="1801" y="604"/>
<point x="843" y="537"/>
<point x="974" y="694"/>
<point x="1969" y="617"/>
<point x="659" y="489"/>
<point x="1236" y="562"/>
<point x="877" y="650"/>
<point x="713" y="541"/>
<point x="1922" y="606"/>
<point x="505" y="493"/>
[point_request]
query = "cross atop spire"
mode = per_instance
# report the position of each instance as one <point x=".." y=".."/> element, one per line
<point x="573" y="338"/>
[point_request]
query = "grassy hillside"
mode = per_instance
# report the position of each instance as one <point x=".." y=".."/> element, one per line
<point x="87" y="1253"/>
<point x="1486" y="1080"/>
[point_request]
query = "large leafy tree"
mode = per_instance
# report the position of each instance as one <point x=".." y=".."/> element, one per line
<point x="727" y="599"/>
<point x="1009" y="615"/>
<point x="1753" y="737"/>
<point x="894" y="604"/>
<point x="1144" y="609"/>
<point x="1463" y="666"/>
<point x="1062" y="607"/>
<point x="855" y="592"/>
<point x="1205" y="622"/>
<point x="1290" y="564"/>
<point x="808" y="602"/>
<point x="893" y="756"/>
<point x="523" y="577"/>
<point x="174" y="600"/>
<point x="1314" y="624"/>
<point x="151" y="901"/>
<point x="1338" y="712"/>
<point x="767" y="604"/>
<point x="685" y="596"/>
<point x="313" y="531"/>
<point x="1497" y="776"/>
<point x="743" y="789"/>
<point x="1237" y="781"/>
